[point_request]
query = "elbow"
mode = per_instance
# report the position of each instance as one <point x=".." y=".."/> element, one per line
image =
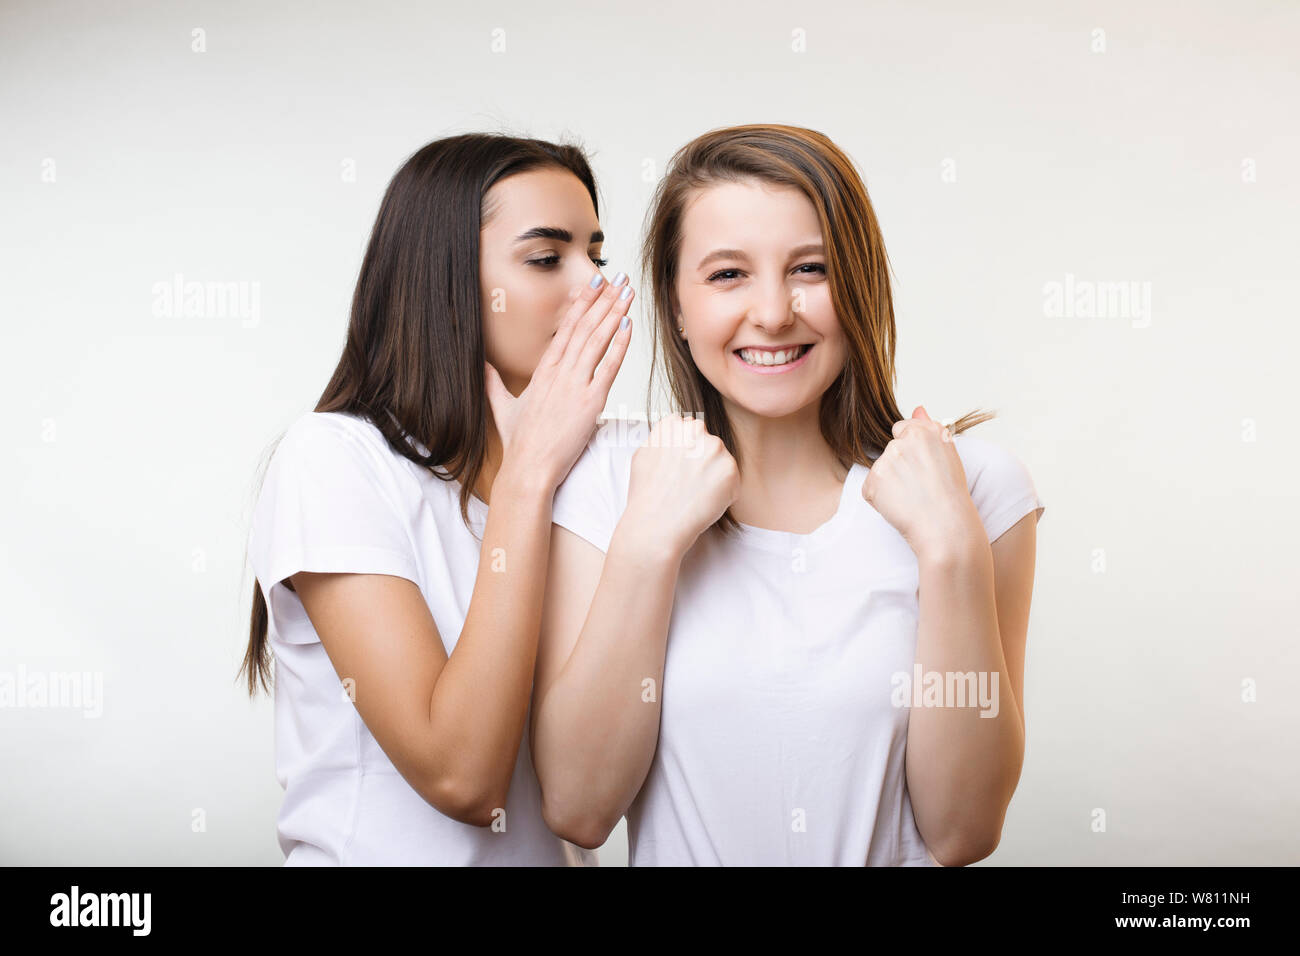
<point x="585" y="829"/>
<point x="969" y="849"/>
<point x="974" y="833"/>
<point x="572" y="805"/>
<point x="476" y="806"/>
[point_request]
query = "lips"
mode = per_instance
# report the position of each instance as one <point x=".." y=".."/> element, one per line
<point x="770" y="357"/>
<point x="767" y="366"/>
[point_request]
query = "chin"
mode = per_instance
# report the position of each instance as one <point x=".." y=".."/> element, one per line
<point x="771" y="406"/>
<point x="524" y="372"/>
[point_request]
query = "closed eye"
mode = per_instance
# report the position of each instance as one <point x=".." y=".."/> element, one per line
<point x="547" y="262"/>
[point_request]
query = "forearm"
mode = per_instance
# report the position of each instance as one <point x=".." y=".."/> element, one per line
<point x="963" y="762"/>
<point x="598" y="725"/>
<point x="480" y="701"/>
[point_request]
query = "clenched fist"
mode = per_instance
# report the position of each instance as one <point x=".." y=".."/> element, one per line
<point x="918" y="485"/>
<point x="683" y="479"/>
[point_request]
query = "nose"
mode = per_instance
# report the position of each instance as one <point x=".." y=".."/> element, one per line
<point x="772" y="308"/>
<point x="575" y="278"/>
<point x="578" y="273"/>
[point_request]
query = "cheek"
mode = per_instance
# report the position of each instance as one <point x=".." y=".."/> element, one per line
<point x="538" y="299"/>
<point x="834" y="344"/>
<point x="819" y="311"/>
<point x="520" y="314"/>
<point x="711" y="322"/>
<point x="496" y="342"/>
<point x="832" y="337"/>
<point x="822" y="320"/>
<point x="819" y="315"/>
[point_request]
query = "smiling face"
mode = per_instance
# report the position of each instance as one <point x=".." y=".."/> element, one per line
<point x="754" y="300"/>
<point x="539" y="241"/>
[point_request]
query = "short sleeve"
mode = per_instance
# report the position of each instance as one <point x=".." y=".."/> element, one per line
<point x="330" y="502"/>
<point x="1000" y="485"/>
<point x="590" y="500"/>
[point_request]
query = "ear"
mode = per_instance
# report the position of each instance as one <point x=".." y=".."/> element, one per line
<point x="675" y="308"/>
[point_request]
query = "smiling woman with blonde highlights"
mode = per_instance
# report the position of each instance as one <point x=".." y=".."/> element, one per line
<point x="734" y="597"/>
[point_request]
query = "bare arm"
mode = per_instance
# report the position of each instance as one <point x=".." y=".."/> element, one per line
<point x="599" y="674"/>
<point x="451" y="726"/>
<point x="963" y="756"/>
<point x="962" y="768"/>
<point x="604" y="634"/>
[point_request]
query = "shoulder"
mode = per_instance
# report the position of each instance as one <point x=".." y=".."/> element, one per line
<point x="593" y="494"/>
<point x="337" y="440"/>
<point x="609" y="451"/>
<point x="337" y="456"/>
<point x="617" y="438"/>
<point x="328" y="430"/>
<point x="334" y="499"/>
<point x="985" y="461"/>
<point x="999" y="482"/>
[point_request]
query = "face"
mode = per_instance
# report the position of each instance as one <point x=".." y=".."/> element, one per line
<point x="540" y="240"/>
<point x="754" y="300"/>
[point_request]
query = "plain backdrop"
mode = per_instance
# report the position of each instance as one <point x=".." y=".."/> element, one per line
<point x="1015" y="152"/>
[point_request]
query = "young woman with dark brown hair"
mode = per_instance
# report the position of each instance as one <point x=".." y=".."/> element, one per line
<point x="401" y="611"/>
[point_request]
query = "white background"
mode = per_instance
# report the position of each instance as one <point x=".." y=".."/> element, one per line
<point x="1165" y="448"/>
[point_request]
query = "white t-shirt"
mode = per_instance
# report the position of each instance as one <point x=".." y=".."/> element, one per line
<point x="337" y="498"/>
<point x="778" y="742"/>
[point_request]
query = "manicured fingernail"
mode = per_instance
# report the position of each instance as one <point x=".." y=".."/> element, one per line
<point x="624" y="322"/>
<point x="620" y="278"/>
<point x="626" y="293"/>
<point x="596" y="280"/>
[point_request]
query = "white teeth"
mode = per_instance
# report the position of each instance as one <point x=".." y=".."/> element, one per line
<point x="758" y="357"/>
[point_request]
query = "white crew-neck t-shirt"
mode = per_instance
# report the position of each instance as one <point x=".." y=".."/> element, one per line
<point x="337" y="498"/>
<point x="778" y="744"/>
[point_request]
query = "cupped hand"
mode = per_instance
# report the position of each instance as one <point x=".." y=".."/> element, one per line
<point x="544" y="429"/>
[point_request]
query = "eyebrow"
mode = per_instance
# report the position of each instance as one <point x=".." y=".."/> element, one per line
<point x="555" y="232"/>
<point x="811" y="248"/>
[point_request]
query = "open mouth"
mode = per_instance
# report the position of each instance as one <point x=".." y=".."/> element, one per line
<point x="781" y="359"/>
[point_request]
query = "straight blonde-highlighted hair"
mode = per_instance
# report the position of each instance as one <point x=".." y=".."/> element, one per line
<point x="858" y="410"/>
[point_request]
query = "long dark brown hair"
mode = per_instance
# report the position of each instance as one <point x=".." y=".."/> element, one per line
<point x="413" y="362"/>
<point x="858" y="411"/>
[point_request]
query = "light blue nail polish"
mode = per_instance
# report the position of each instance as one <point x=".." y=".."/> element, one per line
<point x="596" y="280"/>
<point x="620" y="278"/>
<point x="623" y="323"/>
<point x="626" y="293"/>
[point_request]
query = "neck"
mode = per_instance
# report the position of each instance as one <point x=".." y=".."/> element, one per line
<point x="784" y="460"/>
<point x="491" y="464"/>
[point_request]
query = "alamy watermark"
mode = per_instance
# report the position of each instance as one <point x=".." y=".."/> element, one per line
<point x="630" y="430"/>
<point x="946" y="689"/>
<point x="50" y="689"/>
<point x="75" y="908"/>
<point x="182" y="299"/>
<point x="1087" y="299"/>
